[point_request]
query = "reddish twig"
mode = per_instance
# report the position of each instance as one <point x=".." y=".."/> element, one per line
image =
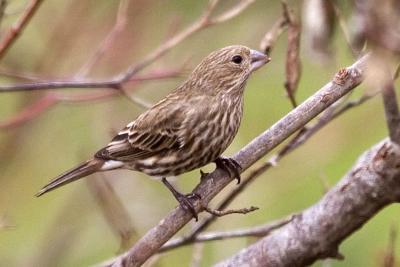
<point x="204" y="21"/>
<point x="50" y="99"/>
<point x="16" y="29"/>
<point x="119" y="26"/>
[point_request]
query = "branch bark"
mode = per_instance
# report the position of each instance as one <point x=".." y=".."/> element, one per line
<point x="344" y="81"/>
<point x="316" y="233"/>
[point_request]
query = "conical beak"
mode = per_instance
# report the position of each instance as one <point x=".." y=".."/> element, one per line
<point x="258" y="59"/>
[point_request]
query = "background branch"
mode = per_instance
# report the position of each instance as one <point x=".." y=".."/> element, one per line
<point x="11" y="35"/>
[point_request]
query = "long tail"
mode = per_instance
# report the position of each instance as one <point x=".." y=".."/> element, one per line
<point x="76" y="173"/>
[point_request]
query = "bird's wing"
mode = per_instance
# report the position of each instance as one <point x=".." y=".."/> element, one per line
<point x="153" y="132"/>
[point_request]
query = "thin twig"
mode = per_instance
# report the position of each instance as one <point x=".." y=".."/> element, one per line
<point x="16" y="29"/>
<point x="270" y="38"/>
<point x="343" y="27"/>
<point x="220" y="213"/>
<point x="257" y="231"/>
<point x="119" y="26"/>
<point x="50" y="99"/>
<point x="204" y="21"/>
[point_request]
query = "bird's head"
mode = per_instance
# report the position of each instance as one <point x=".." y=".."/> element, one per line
<point x="226" y="69"/>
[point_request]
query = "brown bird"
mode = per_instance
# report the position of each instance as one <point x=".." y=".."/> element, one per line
<point x="188" y="129"/>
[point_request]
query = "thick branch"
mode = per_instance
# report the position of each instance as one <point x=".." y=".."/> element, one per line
<point x="344" y="82"/>
<point x="372" y="183"/>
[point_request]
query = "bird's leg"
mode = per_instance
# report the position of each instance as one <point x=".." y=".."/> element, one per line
<point x="231" y="166"/>
<point x="184" y="200"/>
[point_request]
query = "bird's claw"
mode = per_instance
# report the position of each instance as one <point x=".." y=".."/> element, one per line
<point x="231" y="166"/>
<point x="184" y="200"/>
<point x="186" y="203"/>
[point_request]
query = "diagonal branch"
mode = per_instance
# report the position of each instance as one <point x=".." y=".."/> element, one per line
<point x="344" y="81"/>
<point x="371" y="184"/>
<point x="300" y="138"/>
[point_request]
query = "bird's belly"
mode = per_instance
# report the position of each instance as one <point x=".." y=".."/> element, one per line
<point x="207" y="142"/>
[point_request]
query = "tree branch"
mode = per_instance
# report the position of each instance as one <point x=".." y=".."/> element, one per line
<point x="15" y="30"/>
<point x="316" y="233"/>
<point x="300" y="138"/>
<point x="344" y="81"/>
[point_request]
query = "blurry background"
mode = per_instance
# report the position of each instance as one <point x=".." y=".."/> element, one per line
<point x="68" y="227"/>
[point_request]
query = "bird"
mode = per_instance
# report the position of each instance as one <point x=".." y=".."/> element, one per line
<point x="189" y="128"/>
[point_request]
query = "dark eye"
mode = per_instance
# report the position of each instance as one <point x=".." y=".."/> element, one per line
<point x="237" y="59"/>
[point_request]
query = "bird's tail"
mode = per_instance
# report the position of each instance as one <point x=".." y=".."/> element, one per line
<point x="76" y="173"/>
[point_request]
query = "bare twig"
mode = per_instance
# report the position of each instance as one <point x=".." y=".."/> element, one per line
<point x="220" y="213"/>
<point x="270" y="38"/>
<point x="344" y="28"/>
<point x="16" y="29"/>
<point x="204" y="21"/>
<point x="258" y="231"/>
<point x="371" y="184"/>
<point x="121" y="21"/>
<point x="51" y="99"/>
<point x="209" y="187"/>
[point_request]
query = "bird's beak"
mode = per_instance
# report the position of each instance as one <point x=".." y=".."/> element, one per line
<point x="258" y="59"/>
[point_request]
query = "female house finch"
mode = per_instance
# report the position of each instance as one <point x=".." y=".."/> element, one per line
<point x="188" y="129"/>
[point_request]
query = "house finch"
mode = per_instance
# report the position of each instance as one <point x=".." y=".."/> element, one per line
<point x="188" y="129"/>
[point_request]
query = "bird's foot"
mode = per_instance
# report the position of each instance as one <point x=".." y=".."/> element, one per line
<point x="231" y="166"/>
<point x="186" y="203"/>
<point x="184" y="200"/>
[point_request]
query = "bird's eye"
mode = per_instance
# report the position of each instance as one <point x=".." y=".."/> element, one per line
<point x="237" y="59"/>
